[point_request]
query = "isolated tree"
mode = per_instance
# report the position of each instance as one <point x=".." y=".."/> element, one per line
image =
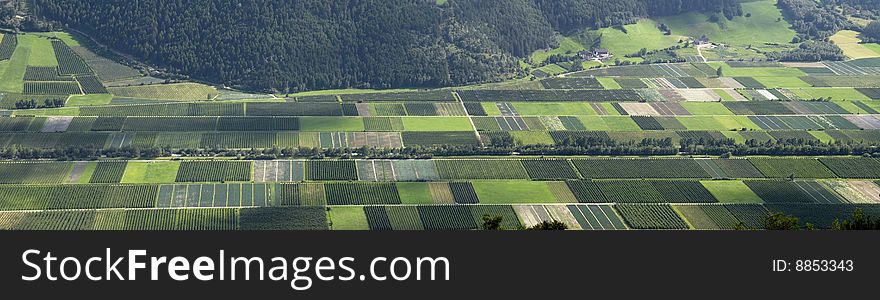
<point x="576" y="66"/>
<point x="549" y="225"/>
<point x="714" y="18"/>
<point x="720" y="72"/>
<point x="780" y="221"/>
<point x="492" y="222"/>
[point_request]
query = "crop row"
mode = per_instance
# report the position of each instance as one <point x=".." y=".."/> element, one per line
<point x="640" y="168"/>
<point x="400" y="97"/>
<point x="44" y="74"/>
<point x="108" y="172"/>
<point x="52" y="88"/>
<point x="214" y="195"/>
<point x="299" y="218"/>
<point x="437" y="217"/>
<point x="76" y="197"/>
<point x="7" y="46"/>
<point x="69" y="63"/>
<point x="267" y="109"/>
<point x="361" y="193"/>
<point x="91" y="85"/>
<point x="461" y="192"/>
<point x="186" y="140"/>
<point x="33" y="172"/>
<point x="431" y="217"/>
<point x="214" y="171"/>
<point x="605" y="217"/>
<point x="481" y="169"/>
<point x="549" y="95"/>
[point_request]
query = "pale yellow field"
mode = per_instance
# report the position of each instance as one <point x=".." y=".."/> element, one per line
<point x="848" y="41"/>
<point x="178" y="91"/>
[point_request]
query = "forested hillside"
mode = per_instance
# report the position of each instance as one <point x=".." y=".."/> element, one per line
<point x="867" y="4"/>
<point x="814" y="21"/>
<point x="576" y="14"/>
<point x="865" y="9"/>
<point x="316" y="44"/>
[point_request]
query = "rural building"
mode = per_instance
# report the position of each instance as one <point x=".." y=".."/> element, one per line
<point x="703" y="40"/>
<point x="596" y="54"/>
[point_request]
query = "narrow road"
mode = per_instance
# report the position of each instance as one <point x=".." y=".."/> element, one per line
<point x="700" y="53"/>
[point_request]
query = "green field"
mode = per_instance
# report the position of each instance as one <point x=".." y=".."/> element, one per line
<point x="717" y="123"/>
<point x="704" y="123"/>
<point x="850" y="106"/>
<point x="46" y="112"/>
<point x="758" y="72"/>
<point x="762" y="27"/>
<point x="609" y="83"/>
<point x="832" y="93"/>
<point x="67" y="38"/>
<point x="552" y="69"/>
<point x="12" y="70"/>
<point x="531" y="137"/>
<point x="782" y="82"/>
<point x="731" y="192"/>
<point x="725" y="96"/>
<point x="566" y="46"/>
<point x="41" y="52"/>
<point x="491" y="108"/>
<point x="729" y="52"/>
<point x="554" y="109"/>
<point x="414" y="193"/>
<point x="86" y="175"/>
<point x="179" y="91"/>
<point x="513" y="192"/>
<point x="437" y="124"/>
<point x="822" y="136"/>
<point x="89" y="100"/>
<point x="151" y="172"/>
<point x="348" y="218"/>
<point x="706" y="108"/>
<point x="331" y="124"/>
<point x="612" y="123"/>
<point x="643" y="34"/>
<point x="873" y="47"/>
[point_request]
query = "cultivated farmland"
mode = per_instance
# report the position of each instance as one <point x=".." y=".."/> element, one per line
<point x="651" y="216"/>
<point x="676" y="138"/>
<point x="214" y="171"/>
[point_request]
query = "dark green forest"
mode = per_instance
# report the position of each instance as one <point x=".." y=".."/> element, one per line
<point x="813" y="20"/>
<point x="295" y="45"/>
<point x="865" y="9"/>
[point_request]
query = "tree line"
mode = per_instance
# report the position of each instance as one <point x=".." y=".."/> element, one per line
<point x="859" y="221"/>
<point x="864" y="9"/>
<point x="810" y="51"/>
<point x="813" y="20"/>
<point x="499" y="146"/>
